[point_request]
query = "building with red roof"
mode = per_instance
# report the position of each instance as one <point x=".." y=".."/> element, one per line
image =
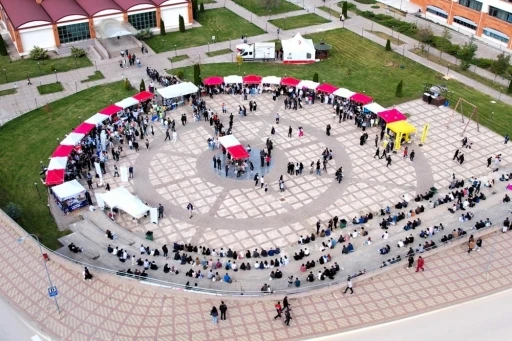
<point x="51" y="23"/>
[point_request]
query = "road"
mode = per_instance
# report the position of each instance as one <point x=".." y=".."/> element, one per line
<point x="14" y="328"/>
<point x="486" y="318"/>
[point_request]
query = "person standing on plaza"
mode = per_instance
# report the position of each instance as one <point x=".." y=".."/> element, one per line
<point x="214" y="162"/>
<point x="190" y="209"/>
<point x="411" y="261"/>
<point x="376" y="141"/>
<point x="223" y="308"/>
<point x="256" y="179"/>
<point x="279" y="310"/>
<point x="160" y="211"/>
<point x="165" y="250"/>
<point x="87" y="274"/>
<point x="226" y="167"/>
<point x="219" y="163"/>
<point x="290" y="130"/>
<point x="287" y="316"/>
<point x="286" y="305"/>
<point x="456" y="155"/>
<point x="174" y="136"/>
<point x="214" y="314"/>
<point x="130" y="171"/>
<point x="412" y="155"/>
<point x="349" y="286"/>
<point x="421" y="263"/>
<point x="389" y="161"/>
<point x="116" y="172"/>
<point x="406" y="151"/>
<point x="262" y="181"/>
<point x="489" y="161"/>
<point x="147" y="144"/>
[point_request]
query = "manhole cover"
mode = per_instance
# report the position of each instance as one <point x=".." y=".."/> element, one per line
<point x="282" y="199"/>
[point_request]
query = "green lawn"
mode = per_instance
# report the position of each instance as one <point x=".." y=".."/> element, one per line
<point x="50" y="88"/>
<point x="31" y="138"/>
<point x="366" y="2"/>
<point x="299" y="21"/>
<point x="94" y="77"/>
<point x="219" y="22"/>
<point x="178" y="58"/>
<point x="7" y="92"/>
<point x="218" y="52"/>
<point x="331" y="11"/>
<point x="258" y="7"/>
<point x="16" y="70"/>
<point x="392" y="39"/>
<point x="374" y="71"/>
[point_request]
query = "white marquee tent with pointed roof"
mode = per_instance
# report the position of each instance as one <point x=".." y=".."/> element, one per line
<point x="298" y="50"/>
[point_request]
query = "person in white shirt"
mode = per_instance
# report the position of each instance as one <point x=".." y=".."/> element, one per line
<point x="385" y="235"/>
<point x="257" y="265"/>
<point x="174" y="136"/>
<point x="306" y="252"/>
<point x="400" y="243"/>
<point x="355" y="234"/>
<point x="234" y="267"/>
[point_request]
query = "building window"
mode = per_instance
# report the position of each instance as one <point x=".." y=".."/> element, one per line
<point x="464" y="23"/>
<point x="493" y="35"/>
<point x="74" y="32"/>
<point x="143" y="20"/>
<point x="439" y="14"/>
<point x="473" y="4"/>
<point x="500" y="14"/>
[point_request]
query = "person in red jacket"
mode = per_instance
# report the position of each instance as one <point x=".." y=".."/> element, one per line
<point x="421" y="262"/>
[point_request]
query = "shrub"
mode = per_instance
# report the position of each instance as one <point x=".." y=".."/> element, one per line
<point x="13" y="211"/>
<point x="144" y="34"/>
<point x="127" y="85"/>
<point x="509" y="90"/>
<point x="388" y="45"/>
<point x="162" y="27"/>
<point x="399" y="86"/>
<point x="142" y="86"/>
<point x="201" y="7"/>
<point x="315" y="77"/>
<point x="344" y="9"/>
<point x="466" y="54"/>
<point x="182" y="23"/>
<point x="484" y="63"/>
<point x="3" y="47"/>
<point x="38" y="53"/>
<point x="52" y="67"/>
<point x="180" y="75"/>
<point x="77" y="52"/>
<point x="197" y="74"/>
<point x="194" y="9"/>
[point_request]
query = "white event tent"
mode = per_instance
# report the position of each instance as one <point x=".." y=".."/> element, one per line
<point x="298" y="50"/>
<point x="127" y="102"/>
<point x="345" y="93"/>
<point x="308" y="84"/>
<point x="374" y="108"/>
<point x="122" y="199"/>
<point x="68" y="190"/>
<point x="233" y="79"/>
<point x="72" y="139"/>
<point x="97" y="119"/>
<point x="178" y="90"/>
<point x="271" y="80"/>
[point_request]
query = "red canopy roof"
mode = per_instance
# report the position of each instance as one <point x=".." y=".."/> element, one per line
<point x="327" y="88"/>
<point x="213" y="81"/>
<point x="21" y="12"/>
<point x="93" y="7"/>
<point x="111" y="110"/>
<point x="252" y="79"/>
<point x="238" y="152"/>
<point x="62" y="151"/>
<point x="143" y="96"/>
<point x="290" y="81"/>
<point x="361" y="98"/>
<point x="84" y="128"/>
<point x="55" y="177"/>
<point x="392" y="115"/>
<point x="58" y="9"/>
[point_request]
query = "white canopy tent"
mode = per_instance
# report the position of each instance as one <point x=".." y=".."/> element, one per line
<point x="68" y="190"/>
<point x="345" y="93"/>
<point x="127" y="102"/>
<point x="96" y="119"/>
<point x="298" y="50"/>
<point x="228" y="141"/>
<point x="72" y="139"/>
<point x="178" y="90"/>
<point x="374" y="108"/>
<point x="122" y="199"/>
<point x="308" y="84"/>
<point x="58" y="163"/>
<point x="233" y="79"/>
<point x="271" y="80"/>
<point x="112" y="28"/>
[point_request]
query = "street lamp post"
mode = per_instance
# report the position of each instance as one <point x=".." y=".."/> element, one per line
<point x="37" y="188"/>
<point x="39" y="66"/>
<point x="20" y="241"/>
<point x="42" y="167"/>
<point x="5" y="73"/>
<point x="75" y="62"/>
<point x="172" y="68"/>
<point x="56" y="79"/>
<point x="175" y="52"/>
<point x="208" y="47"/>
<point x="501" y="90"/>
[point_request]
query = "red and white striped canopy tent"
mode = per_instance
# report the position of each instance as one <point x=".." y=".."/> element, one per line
<point x="290" y="81"/>
<point x="144" y="96"/>
<point x="233" y="147"/>
<point x="72" y="139"/>
<point x="111" y="110"/>
<point x="97" y="119"/>
<point x="328" y="88"/>
<point x="62" y="151"/>
<point x="84" y="128"/>
<point x="55" y="177"/>
<point x="252" y="79"/>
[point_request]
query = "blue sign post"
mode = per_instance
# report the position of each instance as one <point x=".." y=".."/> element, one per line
<point x="52" y="291"/>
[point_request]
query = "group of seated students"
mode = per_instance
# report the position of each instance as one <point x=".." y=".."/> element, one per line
<point x="455" y="234"/>
<point x="385" y="250"/>
<point x="183" y="258"/>
<point x="505" y="177"/>
<point x="431" y="231"/>
<point x="223" y="253"/>
<point x="323" y="274"/>
<point x="506" y="198"/>
<point x="275" y="274"/>
<point x="362" y="219"/>
<point x="306" y="240"/>
<point x="466" y="216"/>
<point x="412" y="225"/>
<point x="129" y="273"/>
<point x="73" y="248"/>
<point x="119" y="253"/>
<point x="391" y="261"/>
<point x="481" y="224"/>
<point x="301" y="254"/>
<point x="427" y="196"/>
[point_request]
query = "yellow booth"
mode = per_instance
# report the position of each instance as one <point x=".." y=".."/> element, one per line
<point x="402" y="130"/>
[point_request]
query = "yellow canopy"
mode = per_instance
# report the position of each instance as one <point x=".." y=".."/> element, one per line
<point x="403" y="127"/>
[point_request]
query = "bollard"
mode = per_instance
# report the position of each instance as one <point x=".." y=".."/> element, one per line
<point x="35" y="99"/>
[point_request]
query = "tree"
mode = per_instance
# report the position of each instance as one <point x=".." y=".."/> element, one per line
<point x="399" y="86"/>
<point x="38" y="53"/>
<point x="424" y="36"/>
<point x="197" y="74"/>
<point x="201" y="7"/>
<point x="142" y="86"/>
<point x="194" y="9"/>
<point x="13" y="211"/>
<point x="269" y="4"/>
<point x="3" y="47"/>
<point x="509" y="90"/>
<point x="466" y="54"/>
<point x="127" y="85"/>
<point x="181" y="23"/>
<point x="315" y="77"/>
<point x="500" y="65"/>
<point x="344" y="9"/>
<point x="162" y="27"/>
<point x="388" y="45"/>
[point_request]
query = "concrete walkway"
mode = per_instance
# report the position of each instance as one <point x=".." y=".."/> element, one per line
<point x="27" y="97"/>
